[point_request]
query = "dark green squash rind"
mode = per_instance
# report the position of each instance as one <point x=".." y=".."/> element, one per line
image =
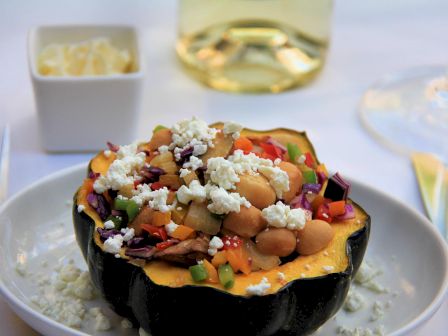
<point x="298" y="308"/>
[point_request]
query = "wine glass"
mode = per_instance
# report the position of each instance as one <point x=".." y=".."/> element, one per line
<point x="408" y="111"/>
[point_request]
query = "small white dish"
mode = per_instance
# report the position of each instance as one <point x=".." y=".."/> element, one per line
<point x="83" y="113"/>
<point x="405" y="244"/>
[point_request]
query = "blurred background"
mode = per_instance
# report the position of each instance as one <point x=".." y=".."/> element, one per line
<point x="369" y="38"/>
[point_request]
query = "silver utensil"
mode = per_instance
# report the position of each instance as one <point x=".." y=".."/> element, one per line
<point x="4" y="163"/>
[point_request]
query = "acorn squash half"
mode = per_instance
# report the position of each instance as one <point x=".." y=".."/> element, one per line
<point x="163" y="299"/>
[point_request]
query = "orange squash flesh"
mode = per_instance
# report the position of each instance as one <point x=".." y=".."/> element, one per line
<point x="334" y="255"/>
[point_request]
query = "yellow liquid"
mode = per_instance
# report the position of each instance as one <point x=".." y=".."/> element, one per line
<point x="253" y="45"/>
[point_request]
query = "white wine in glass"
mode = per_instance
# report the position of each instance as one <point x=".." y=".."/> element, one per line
<point x="253" y="45"/>
<point x="409" y="110"/>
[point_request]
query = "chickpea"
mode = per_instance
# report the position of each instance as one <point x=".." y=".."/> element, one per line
<point x="160" y="138"/>
<point x="279" y="242"/>
<point x="295" y="180"/>
<point x="315" y="236"/>
<point x="257" y="190"/>
<point x="246" y="223"/>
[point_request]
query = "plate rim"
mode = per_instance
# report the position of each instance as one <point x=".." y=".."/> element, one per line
<point x="15" y="303"/>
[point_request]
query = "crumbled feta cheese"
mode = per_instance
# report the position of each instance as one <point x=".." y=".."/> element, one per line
<point x="223" y="202"/>
<point x="233" y="128"/>
<point x="194" y="192"/>
<point x="281" y="215"/>
<point x="170" y="228"/>
<point x="62" y="298"/>
<point x="81" y="208"/>
<point x="123" y="170"/>
<point x="186" y="130"/>
<point x="366" y="273"/>
<point x="194" y="163"/>
<point x="358" y="331"/>
<point x="156" y="199"/>
<point x="328" y="268"/>
<point x="109" y="225"/>
<point x="113" y="244"/>
<point x="215" y="245"/>
<point x="199" y="149"/>
<point x="278" y="179"/>
<point x="163" y="149"/>
<point x="281" y="276"/>
<point x="107" y="153"/>
<point x="102" y="323"/>
<point x="184" y="172"/>
<point x="301" y="159"/>
<point x="354" y="301"/>
<point x="126" y="324"/>
<point x="277" y="161"/>
<point x="128" y="234"/>
<point x="222" y="173"/>
<point x="377" y="311"/>
<point x="247" y="163"/>
<point x="260" y="288"/>
<point x="69" y="273"/>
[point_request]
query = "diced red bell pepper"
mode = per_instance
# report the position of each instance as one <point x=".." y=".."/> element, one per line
<point x="309" y="161"/>
<point x="231" y="242"/>
<point x="323" y="213"/>
<point x="156" y="231"/>
<point x="165" y="244"/>
<point x="272" y="150"/>
<point x="156" y="186"/>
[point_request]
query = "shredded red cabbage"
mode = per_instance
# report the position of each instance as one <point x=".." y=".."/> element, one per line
<point x="300" y="202"/>
<point x="151" y="174"/>
<point x="112" y="147"/>
<point x="321" y="177"/>
<point x="143" y="252"/>
<point x="274" y="142"/>
<point x="349" y="213"/>
<point x="93" y="175"/>
<point x="312" y="187"/>
<point x="100" y="204"/>
<point x="337" y="188"/>
<point x="105" y="234"/>
<point x="185" y="155"/>
<point x="136" y="242"/>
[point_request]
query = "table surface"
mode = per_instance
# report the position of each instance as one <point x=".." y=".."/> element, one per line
<point x="369" y="38"/>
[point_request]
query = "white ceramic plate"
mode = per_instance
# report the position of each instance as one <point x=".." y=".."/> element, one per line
<point x="36" y="226"/>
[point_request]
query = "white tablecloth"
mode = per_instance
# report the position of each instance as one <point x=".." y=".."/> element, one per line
<point x="370" y="38"/>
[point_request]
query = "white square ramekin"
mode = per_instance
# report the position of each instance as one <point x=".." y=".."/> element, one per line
<point x="83" y="113"/>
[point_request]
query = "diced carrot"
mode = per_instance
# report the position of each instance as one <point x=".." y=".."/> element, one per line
<point x="322" y="169"/>
<point x="317" y="201"/>
<point x="161" y="218"/>
<point x="211" y="271"/>
<point x="243" y="143"/>
<point x="336" y="208"/>
<point x="239" y="260"/>
<point x="220" y="258"/>
<point x="171" y="197"/>
<point x="183" y="232"/>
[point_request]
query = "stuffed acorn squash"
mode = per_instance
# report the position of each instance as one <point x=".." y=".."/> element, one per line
<point x="219" y="230"/>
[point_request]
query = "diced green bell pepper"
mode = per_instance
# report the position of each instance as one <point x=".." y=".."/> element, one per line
<point x="226" y="276"/>
<point x="293" y="151"/>
<point x="309" y="176"/>
<point x="198" y="272"/>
